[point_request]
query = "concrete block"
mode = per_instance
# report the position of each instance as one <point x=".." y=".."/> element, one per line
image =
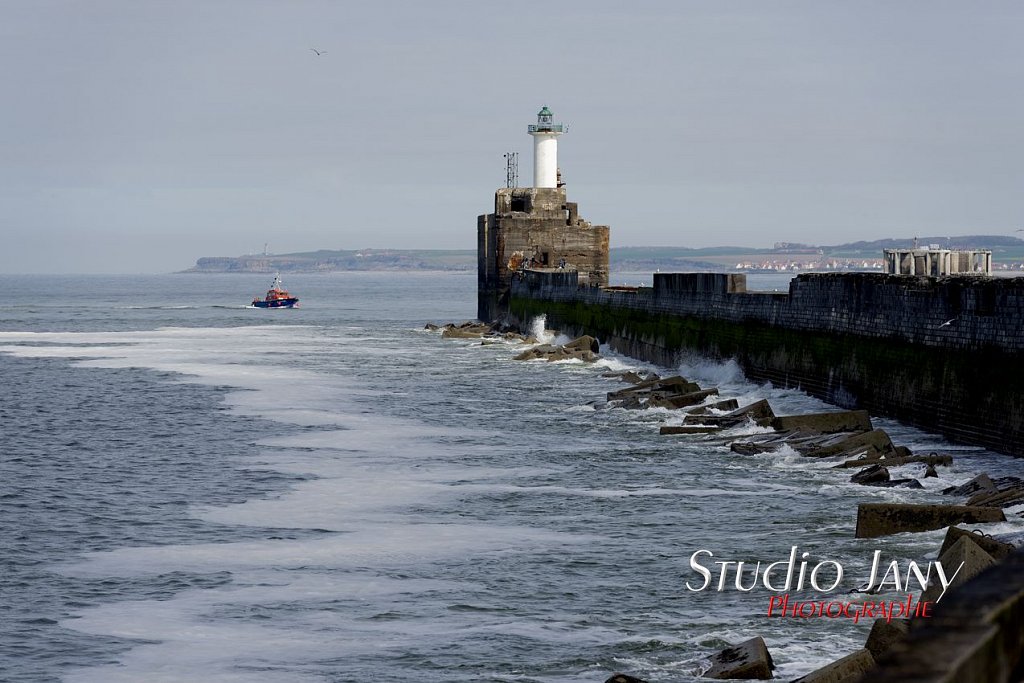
<point x="999" y="550"/>
<point x="871" y="475"/>
<point x="749" y="660"/>
<point x="669" y="385"/>
<point x="895" y="461"/>
<point x="689" y="429"/>
<point x="727" y="404"/>
<point x="884" y="634"/>
<point x="462" y="333"/>
<point x="756" y="411"/>
<point x="849" y="669"/>
<point x="877" y="441"/>
<point x="899" y="483"/>
<point x="680" y="400"/>
<point x="826" y="423"/>
<point x="584" y="343"/>
<point x="982" y="482"/>
<point x="974" y="559"/>
<point x="882" y="519"/>
<point x="1004" y="497"/>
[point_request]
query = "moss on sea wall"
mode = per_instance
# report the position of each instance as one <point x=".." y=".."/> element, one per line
<point x="971" y="397"/>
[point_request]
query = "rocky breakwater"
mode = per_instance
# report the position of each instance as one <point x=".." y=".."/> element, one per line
<point x="851" y="441"/>
<point x="975" y="634"/>
<point x="583" y="348"/>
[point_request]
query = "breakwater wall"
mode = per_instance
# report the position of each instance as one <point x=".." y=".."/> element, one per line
<point x="943" y="354"/>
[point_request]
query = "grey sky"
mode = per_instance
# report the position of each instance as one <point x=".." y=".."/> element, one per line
<point x="137" y="136"/>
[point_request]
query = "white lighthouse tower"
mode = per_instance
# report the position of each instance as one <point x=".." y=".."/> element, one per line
<point x="545" y="149"/>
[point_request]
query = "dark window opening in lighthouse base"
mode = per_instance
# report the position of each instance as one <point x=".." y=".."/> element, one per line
<point x="519" y="203"/>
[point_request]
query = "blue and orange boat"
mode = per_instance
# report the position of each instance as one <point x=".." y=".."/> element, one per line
<point x="276" y="297"/>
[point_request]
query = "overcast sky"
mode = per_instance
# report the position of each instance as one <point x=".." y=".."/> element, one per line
<point x="137" y="136"/>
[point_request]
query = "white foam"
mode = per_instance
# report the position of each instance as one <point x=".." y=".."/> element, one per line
<point x="371" y="472"/>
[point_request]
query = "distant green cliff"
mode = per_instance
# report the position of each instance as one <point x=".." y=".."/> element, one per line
<point x="328" y="260"/>
<point x="1006" y="250"/>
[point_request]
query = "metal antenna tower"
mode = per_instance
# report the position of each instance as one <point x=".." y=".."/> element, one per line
<point x="511" y="169"/>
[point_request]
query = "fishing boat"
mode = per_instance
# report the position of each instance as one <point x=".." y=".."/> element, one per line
<point x="276" y="297"/>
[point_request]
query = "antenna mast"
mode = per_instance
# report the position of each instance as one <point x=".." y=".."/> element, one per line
<point x="511" y="169"/>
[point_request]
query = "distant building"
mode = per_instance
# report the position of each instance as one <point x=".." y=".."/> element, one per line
<point x="937" y="262"/>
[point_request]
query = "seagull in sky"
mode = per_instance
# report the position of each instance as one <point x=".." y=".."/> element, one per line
<point x="318" y="52"/>
<point x="948" y="322"/>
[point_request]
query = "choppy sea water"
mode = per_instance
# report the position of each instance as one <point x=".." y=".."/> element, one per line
<point x="193" y="490"/>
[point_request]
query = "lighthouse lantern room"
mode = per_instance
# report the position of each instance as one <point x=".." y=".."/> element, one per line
<point x="545" y="148"/>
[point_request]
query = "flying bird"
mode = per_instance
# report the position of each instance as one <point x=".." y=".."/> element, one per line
<point x="318" y="52"/>
<point x="948" y="322"/>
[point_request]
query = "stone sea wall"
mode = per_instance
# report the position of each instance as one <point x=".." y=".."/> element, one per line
<point x="943" y="354"/>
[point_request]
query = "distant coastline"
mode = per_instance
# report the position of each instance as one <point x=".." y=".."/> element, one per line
<point x="1008" y="254"/>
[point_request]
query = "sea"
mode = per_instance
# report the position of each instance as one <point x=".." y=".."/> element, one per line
<point x="195" y="490"/>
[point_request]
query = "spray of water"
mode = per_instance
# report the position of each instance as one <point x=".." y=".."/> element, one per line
<point x="538" y="331"/>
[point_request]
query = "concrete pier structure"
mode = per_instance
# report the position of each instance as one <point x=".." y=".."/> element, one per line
<point x="536" y="228"/>
<point x="943" y="354"/>
<point x="930" y="344"/>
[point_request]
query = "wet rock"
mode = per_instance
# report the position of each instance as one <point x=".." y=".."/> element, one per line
<point x="871" y="475"/>
<point x="895" y="461"/>
<point x="884" y="634"/>
<point x="662" y="387"/>
<point x="999" y="550"/>
<point x="899" y="483"/>
<point x="539" y="351"/>
<point x="432" y="327"/>
<point x="584" y="343"/>
<point x="727" y="404"/>
<point x="459" y="333"/>
<point x="974" y="559"/>
<point x="689" y="429"/>
<point x="680" y="400"/>
<point x="1010" y="492"/>
<point x="747" y="448"/>
<point x="873" y="444"/>
<point x="623" y="678"/>
<point x="849" y="669"/>
<point x="627" y="376"/>
<point x="766" y="443"/>
<point x="466" y="330"/>
<point x="930" y="472"/>
<point x="759" y="412"/>
<point x="550" y="352"/>
<point x="669" y="385"/>
<point x="982" y="482"/>
<point x="825" y="423"/>
<point x="749" y="660"/>
<point x="883" y="519"/>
